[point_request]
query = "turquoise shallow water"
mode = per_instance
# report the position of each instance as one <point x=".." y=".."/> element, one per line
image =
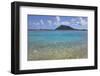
<point x="56" y="40"/>
<point x="47" y="37"/>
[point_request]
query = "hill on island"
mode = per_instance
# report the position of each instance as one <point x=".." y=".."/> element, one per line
<point x="64" y="27"/>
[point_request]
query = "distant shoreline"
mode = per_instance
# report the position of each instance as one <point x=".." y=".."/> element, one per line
<point x="54" y="30"/>
<point x="60" y="28"/>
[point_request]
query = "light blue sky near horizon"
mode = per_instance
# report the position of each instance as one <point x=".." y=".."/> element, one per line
<point x="52" y="22"/>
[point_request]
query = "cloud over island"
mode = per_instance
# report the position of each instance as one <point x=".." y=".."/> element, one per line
<point x="52" y="22"/>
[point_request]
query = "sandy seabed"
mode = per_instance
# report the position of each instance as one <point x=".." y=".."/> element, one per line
<point x="60" y="52"/>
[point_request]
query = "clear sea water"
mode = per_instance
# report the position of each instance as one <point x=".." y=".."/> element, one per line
<point x="47" y="37"/>
<point x="56" y="40"/>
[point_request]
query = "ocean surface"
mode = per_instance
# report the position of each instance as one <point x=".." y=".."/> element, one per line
<point x="49" y="45"/>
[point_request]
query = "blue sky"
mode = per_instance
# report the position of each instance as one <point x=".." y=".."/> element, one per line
<point x="52" y="22"/>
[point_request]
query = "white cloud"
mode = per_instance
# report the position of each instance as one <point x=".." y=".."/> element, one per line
<point x="50" y="22"/>
<point x="58" y="18"/>
<point x="74" y="21"/>
<point x="42" y="22"/>
<point x="77" y="22"/>
<point x="83" y="22"/>
<point x="66" y="23"/>
<point x="36" y="23"/>
<point x="80" y="22"/>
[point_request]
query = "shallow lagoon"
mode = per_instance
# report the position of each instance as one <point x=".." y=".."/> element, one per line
<point x="52" y="45"/>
